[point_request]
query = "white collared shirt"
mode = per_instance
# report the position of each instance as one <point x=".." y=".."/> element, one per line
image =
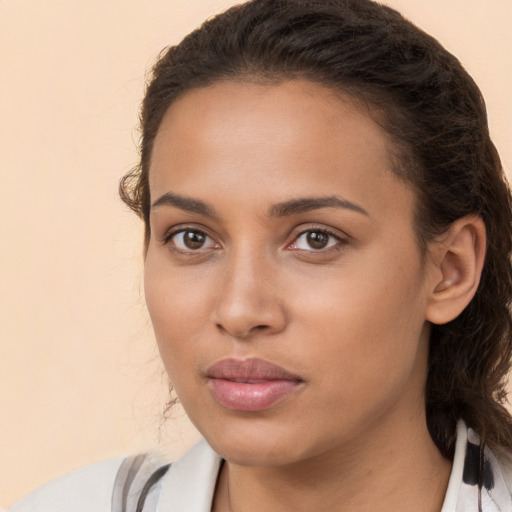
<point x="189" y="484"/>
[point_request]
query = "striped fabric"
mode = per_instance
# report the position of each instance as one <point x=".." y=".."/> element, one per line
<point x="137" y="484"/>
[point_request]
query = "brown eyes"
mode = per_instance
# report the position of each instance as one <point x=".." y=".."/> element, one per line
<point x="188" y="240"/>
<point x="315" y="239"/>
<point x="192" y="240"/>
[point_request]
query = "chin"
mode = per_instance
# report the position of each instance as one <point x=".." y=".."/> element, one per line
<point x="258" y="445"/>
<point x="256" y="455"/>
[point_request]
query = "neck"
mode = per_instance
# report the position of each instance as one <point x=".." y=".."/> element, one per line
<point x="386" y="468"/>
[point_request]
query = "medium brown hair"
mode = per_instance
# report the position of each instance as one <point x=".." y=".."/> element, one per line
<point x="419" y="93"/>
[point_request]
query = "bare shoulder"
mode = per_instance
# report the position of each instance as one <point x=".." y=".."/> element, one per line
<point x="85" y="489"/>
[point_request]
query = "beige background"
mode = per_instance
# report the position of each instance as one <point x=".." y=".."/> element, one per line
<point x="79" y="376"/>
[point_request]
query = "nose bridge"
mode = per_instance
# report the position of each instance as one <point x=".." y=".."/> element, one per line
<point x="248" y="264"/>
<point x="248" y="299"/>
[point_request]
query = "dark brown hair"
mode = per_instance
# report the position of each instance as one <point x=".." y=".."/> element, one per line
<point x="424" y="98"/>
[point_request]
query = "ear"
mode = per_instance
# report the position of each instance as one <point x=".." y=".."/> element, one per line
<point x="457" y="260"/>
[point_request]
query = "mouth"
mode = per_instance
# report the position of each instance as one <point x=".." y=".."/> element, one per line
<point x="250" y="384"/>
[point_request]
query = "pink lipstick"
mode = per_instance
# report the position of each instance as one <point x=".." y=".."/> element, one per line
<point x="250" y="384"/>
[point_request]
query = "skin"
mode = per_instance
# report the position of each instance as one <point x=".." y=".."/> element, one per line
<point x="350" y="319"/>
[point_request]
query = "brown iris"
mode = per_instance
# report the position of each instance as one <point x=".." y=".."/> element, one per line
<point x="317" y="239"/>
<point x="194" y="239"/>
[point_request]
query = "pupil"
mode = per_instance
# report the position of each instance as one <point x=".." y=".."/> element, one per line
<point x="317" y="240"/>
<point x="193" y="240"/>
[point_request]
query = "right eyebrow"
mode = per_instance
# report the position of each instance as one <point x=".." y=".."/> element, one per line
<point x="185" y="203"/>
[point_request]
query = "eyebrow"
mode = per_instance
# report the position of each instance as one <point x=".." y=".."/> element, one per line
<point x="284" y="209"/>
<point x="306" y="204"/>
<point x="185" y="203"/>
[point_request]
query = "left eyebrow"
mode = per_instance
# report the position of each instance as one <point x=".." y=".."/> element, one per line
<point x="306" y="204"/>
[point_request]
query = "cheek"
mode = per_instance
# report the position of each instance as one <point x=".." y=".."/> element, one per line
<point x="371" y="290"/>
<point x="366" y="321"/>
<point x="179" y="308"/>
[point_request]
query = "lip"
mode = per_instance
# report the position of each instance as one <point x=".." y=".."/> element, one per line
<point x="250" y="384"/>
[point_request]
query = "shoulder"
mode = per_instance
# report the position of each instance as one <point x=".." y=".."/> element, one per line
<point x="85" y="489"/>
<point x="504" y="458"/>
<point x="116" y="484"/>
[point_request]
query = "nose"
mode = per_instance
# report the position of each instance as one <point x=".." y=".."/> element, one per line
<point x="249" y="302"/>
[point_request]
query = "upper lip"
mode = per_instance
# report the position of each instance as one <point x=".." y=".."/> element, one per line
<point x="252" y="369"/>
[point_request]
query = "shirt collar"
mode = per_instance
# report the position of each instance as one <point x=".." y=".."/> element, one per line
<point x="190" y="482"/>
<point x="476" y="481"/>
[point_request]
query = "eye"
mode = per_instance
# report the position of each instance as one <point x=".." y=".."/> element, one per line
<point x="189" y="240"/>
<point x="316" y="239"/>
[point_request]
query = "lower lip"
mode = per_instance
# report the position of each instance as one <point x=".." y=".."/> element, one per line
<point x="251" y="396"/>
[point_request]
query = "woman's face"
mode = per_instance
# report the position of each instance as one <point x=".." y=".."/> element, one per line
<point x="283" y="279"/>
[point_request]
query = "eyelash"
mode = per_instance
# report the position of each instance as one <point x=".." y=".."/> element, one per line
<point x="335" y="247"/>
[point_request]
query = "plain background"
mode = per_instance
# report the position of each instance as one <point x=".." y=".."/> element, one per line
<point x="80" y="378"/>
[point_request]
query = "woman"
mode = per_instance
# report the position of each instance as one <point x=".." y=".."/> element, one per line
<point x="327" y="270"/>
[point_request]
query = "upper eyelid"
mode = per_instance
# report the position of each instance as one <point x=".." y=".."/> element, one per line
<point x="169" y="233"/>
<point x="340" y="235"/>
<point x="330" y="232"/>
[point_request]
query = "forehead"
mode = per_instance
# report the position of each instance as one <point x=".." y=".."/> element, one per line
<point x="280" y="140"/>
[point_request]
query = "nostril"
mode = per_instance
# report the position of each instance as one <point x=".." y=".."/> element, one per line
<point x="241" y="332"/>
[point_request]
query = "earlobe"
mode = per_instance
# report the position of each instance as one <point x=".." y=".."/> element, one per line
<point x="458" y="258"/>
